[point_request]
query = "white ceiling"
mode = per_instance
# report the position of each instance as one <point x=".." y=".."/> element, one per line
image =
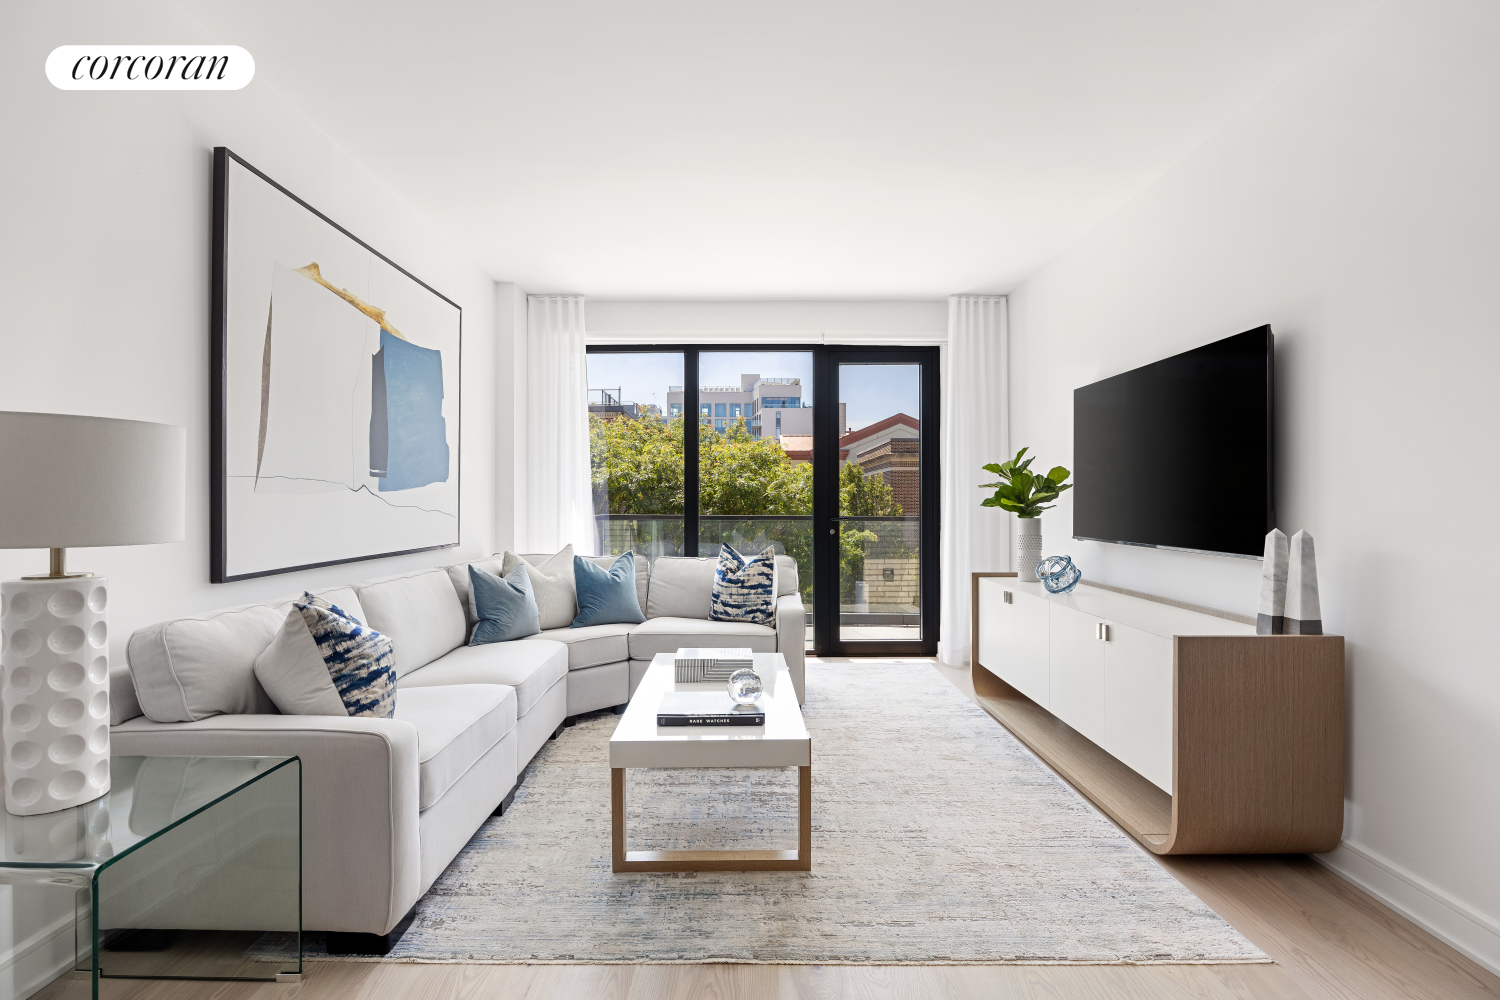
<point x="772" y="149"/>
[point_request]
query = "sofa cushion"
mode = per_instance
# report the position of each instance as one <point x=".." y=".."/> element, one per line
<point x="458" y="575"/>
<point x="506" y="607"/>
<point x="192" y="668"/>
<point x="786" y="576"/>
<point x="420" y="613"/>
<point x="591" y="645"/>
<point x="606" y="594"/>
<point x="642" y="572"/>
<point x="323" y="663"/>
<point x="744" y="589"/>
<point x="532" y="668"/>
<point x="681" y="587"/>
<point x="340" y="597"/>
<point x="552" y="583"/>
<point x="456" y="725"/>
<point x="667" y="635"/>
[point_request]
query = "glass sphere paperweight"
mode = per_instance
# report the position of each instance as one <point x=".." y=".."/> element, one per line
<point x="1058" y="574"/>
<point x="745" y="686"/>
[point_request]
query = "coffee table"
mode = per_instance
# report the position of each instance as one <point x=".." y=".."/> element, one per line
<point x="782" y="742"/>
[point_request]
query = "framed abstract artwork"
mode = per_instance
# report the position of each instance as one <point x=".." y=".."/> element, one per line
<point x="335" y="395"/>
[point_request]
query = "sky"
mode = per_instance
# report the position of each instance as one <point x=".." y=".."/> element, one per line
<point x="871" y="392"/>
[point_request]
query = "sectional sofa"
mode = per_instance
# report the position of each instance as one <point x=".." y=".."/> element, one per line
<point x="388" y="803"/>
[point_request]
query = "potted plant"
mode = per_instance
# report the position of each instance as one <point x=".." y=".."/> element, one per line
<point x="1025" y="494"/>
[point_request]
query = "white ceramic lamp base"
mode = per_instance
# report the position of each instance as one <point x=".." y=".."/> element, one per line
<point x="55" y="693"/>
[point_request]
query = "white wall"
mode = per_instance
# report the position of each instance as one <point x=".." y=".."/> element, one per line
<point x="844" y="321"/>
<point x="104" y="277"/>
<point x="104" y="272"/>
<point x="1355" y="209"/>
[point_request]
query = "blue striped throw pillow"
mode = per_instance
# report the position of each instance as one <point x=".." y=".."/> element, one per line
<point x="744" y="589"/>
<point x="361" y="662"/>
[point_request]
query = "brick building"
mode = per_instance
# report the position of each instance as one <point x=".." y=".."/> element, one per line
<point x="898" y="463"/>
<point x="890" y="449"/>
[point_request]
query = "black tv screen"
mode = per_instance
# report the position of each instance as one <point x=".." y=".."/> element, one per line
<point x="1177" y="454"/>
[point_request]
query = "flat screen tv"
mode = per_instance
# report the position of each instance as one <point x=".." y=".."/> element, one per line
<point x="1178" y="454"/>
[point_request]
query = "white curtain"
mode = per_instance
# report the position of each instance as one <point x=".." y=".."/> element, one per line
<point x="975" y="430"/>
<point x="558" y="501"/>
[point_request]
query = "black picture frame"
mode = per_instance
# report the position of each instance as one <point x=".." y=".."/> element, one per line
<point x="219" y="333"/>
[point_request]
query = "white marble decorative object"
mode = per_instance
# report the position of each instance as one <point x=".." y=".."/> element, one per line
<point x="1272" y="610"/>
<point x="55" y="695"/>
<point x="1304" y="616"/>
<point x="1028" y="548"/>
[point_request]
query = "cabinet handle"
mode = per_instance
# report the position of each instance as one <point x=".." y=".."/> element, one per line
<point x="1007" y="599"/>
<point x="1101" y="631"/>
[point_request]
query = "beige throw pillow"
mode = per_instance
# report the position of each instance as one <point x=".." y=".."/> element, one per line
<point x="552" y="584"/>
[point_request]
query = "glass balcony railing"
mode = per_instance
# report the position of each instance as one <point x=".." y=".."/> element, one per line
<point x="651" y="536"/>
<point x="880" y="578"/>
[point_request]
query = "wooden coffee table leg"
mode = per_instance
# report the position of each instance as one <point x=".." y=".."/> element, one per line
<point x="799" y="860"/>
<point x="804" y="818"/>
<point x="617" y="816"/>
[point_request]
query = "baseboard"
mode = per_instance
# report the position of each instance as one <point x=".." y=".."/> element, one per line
<point x="40" y="957"/>
<point x="1453" y="921"/>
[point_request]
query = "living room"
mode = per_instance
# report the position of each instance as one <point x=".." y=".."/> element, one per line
<point x="892" y="244"/>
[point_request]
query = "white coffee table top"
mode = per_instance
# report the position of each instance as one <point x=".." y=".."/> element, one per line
<point x="782" y="742"/>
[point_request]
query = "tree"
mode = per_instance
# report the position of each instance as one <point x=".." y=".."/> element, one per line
<point x="865" y="496"/>
<point x="638" y="469"/>
<point x="738" y="474"/>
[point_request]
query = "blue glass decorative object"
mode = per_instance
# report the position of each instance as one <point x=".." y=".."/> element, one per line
<point x="1058" y="574"/>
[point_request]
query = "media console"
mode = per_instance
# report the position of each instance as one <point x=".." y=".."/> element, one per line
<point x="1185" y="727"/>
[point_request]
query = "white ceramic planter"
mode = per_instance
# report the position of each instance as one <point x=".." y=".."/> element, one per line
<point x="1028" y="547"/>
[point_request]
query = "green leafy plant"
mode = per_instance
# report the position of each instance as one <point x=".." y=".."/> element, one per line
<point x="1024" y="493"/>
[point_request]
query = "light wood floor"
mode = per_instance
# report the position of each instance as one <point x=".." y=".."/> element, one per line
<point x="1330" y="941"/>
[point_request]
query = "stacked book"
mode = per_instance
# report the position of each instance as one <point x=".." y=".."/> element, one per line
<point x="699" y="665"/>
<point x="706" y="708"/>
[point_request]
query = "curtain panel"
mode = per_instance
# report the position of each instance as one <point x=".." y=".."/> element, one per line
<point x="976" y="430"/>
<point x="558" y="499"/>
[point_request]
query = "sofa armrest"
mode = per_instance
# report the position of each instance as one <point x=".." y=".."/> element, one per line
<point x="791" y="640"/>
<point x="360" y="857"/>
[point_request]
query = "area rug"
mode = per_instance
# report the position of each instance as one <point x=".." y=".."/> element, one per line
<point x="937" y="839"/>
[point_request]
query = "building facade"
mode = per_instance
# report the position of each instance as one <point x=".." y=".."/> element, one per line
<point x="771" y="407"/>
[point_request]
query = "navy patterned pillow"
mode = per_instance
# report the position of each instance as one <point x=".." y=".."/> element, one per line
<point x="744" y="589"/>
<point x="308" y="597"/>
<point x="361" y="662"/>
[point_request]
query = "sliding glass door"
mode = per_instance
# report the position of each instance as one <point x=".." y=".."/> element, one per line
<point x="826" y="454"/>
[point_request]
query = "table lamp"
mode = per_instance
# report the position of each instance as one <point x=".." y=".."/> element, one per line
<point x="68" y="481"/>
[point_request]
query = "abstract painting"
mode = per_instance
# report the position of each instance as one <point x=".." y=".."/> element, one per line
<point x="335" y="391"/>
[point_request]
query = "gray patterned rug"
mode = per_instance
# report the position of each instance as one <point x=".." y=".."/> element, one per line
<point x="937" y="839"/>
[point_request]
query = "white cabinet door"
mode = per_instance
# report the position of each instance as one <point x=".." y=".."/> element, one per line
<point x="1077" y="680"/>
<point x="1138" y="702"/>
<point x="1013" y="638"/>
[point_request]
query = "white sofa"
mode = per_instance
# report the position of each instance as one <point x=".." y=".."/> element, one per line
<point x="388" y="803"/>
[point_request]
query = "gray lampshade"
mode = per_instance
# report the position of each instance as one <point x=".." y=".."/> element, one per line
<point x="76" y="482"/>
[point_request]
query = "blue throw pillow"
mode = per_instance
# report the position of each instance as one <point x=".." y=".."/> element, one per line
<point x="606" y="596"/>
<point x="744" y="589"/>
<point x="506" y="608"/>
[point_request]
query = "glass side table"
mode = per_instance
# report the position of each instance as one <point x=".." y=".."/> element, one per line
<point x="188" y="868"/>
